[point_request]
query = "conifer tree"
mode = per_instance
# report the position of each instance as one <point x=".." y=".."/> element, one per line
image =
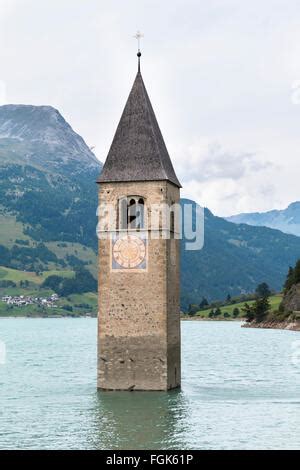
<point x="289" y="280"/>
<point x="218" y="312"/>
<point x="249" y="312"/>
<point x="261" y="307"/>
<point x="263" y="290"/>
<point x="297" y="273"/>
<point x="204" y="303"/>
<point x="236" y="312"/>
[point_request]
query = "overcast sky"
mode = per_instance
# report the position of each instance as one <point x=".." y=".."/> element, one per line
<point x="223" y="77"/>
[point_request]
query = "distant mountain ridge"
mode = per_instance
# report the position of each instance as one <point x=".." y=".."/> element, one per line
<point x="286" y="220"/>
<point x="235" y="258"/>
<point x="48" y="202"/>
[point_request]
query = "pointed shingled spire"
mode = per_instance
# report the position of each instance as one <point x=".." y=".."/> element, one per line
<point x="138" y="151"/>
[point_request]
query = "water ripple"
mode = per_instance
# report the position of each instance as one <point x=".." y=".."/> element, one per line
<point x="240" y="390"/>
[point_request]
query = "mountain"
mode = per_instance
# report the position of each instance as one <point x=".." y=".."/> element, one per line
<point x="39" y="136"/>
<point x="48" y="193"/>
<point x="234" y="259"/>
<point x="287" y="220"/>
<point x="48" y="202"/>
<point x="47" y="175"/>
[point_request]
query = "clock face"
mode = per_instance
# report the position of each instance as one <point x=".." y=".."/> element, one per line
<point x="129" y="252"/>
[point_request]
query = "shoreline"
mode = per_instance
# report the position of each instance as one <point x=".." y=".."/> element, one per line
<point x="191" y="318"/>
<point x="5" y="317"/>
<point x="275" y="325"/>
<point x="270" y="325"/>
<point x="95" y="316"/>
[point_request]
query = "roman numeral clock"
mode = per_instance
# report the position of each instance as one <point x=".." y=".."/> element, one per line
<point x="129" y="252"/>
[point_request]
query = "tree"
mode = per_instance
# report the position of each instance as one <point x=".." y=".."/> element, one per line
<point x="82" y="282"/>
<point x="228" y="299"/>
<point x="24" y="283"/>
<point x="236" y="312"/>
<point x="85" y="281"/>
<point x="226" y="315"/>
<point x="211" y="314"/>
<point x="69" y="308"/>
<point x="193" y="309"/>
<point x="7" y="283"/>
<point x="290" y="279"/>
<point x="262" y="307"/>
<point x="249" y="312"/>
<point x="297" y="273"/>
<point x="53" y="282"/>
<point x="293" y="277"/>
<point x="258" y="311"/>
<point x="263" y="290"/>
<point x="204" y="303"/>
<point x="218" y="312"/>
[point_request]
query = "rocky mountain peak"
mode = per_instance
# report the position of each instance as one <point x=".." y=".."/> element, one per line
<point x="34" y="134"/>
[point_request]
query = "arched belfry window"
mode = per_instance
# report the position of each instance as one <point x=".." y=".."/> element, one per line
<point x="132" y="213"/>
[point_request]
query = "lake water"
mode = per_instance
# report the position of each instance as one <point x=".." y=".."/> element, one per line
<point x="240" y="390"/>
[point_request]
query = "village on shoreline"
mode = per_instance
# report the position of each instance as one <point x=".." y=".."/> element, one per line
<point x="24" y="300"/>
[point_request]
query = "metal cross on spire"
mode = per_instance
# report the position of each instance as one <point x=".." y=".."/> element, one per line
<point x="138" y="36"/>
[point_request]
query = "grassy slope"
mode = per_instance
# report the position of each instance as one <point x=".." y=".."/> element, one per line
<point x="11" y="230"/>
<point x="63" y="249"/>
<point x="81" y="304"/>
<point x="274" y="301"/>
<point x="14" y="275"/>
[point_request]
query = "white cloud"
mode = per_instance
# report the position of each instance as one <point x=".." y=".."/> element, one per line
<point x="218" y="71"/>
<point x="206" y="161"/>
<point x="225" y="181"/>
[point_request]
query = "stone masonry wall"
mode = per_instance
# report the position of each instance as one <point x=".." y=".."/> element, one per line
<point x="138" y="327"/>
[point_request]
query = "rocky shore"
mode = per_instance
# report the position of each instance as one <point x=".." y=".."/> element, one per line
<point x="275" y="325"/>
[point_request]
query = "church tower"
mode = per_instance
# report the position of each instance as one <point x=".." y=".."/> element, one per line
<point x="139" y="312"/>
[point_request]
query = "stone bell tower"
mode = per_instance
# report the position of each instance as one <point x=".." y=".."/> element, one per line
<point x="139" y="313"/>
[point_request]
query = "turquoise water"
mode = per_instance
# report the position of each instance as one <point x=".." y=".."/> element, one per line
<point x="240" y="390"/>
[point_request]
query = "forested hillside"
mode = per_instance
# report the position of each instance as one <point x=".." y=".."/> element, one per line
<point x="48" y="202"/>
